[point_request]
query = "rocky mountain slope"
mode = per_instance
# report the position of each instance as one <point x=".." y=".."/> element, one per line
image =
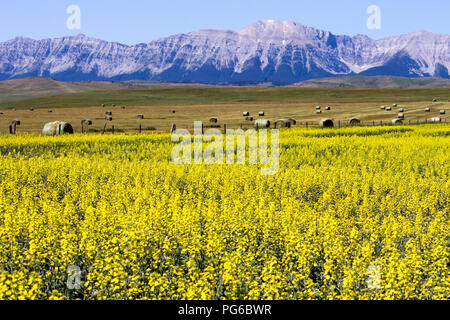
<point x="269" y="50"/>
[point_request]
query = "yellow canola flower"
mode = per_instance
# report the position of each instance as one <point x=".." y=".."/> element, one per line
<point x="346" y="205"/>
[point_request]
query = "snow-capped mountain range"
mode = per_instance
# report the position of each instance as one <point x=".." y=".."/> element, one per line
<point x="264" y="51"/>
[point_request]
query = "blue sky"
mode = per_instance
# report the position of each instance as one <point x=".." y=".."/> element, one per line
<point x="137" y="21"/>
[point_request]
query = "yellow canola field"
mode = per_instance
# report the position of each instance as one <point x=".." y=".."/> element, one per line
<point x="354" y="213"/>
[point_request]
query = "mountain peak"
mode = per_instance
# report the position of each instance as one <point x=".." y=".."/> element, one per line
<point x="20" y="39"/>
<point x="278" y="30"/>
<point x="274" y="25"/>
<point x="277" y="24"/>
<point x="362" y="36"/>
<point x="421" y="32"/>
<point x="267" y="50"/>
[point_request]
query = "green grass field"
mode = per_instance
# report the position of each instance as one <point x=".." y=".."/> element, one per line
<point x="374" y="82"/>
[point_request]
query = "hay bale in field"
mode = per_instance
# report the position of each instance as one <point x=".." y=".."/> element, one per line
<point x="1" y="113"/>
<point x="292" y="121"/>
<point x="50" y="111"/>
<point x="103" y="105"/>
<point x="328" y="108"/>
<point x="283" y="123"/>
<point x="261" y="114"/>
<point x="108" y="113"/>
<point x="124" y="107"/>
<point x="397" y="121"/>
<point x="318" y="111"/>
<point x="354" y="122"/>
<point x="262" y="124"/>
<point x="57" y="128"/>
<point x="109" y="118"/>
<point x="318" y="107"/>
<point x="245" y="114"/>
<point x="13" y="125"/>
<point x="113" y="105"/>
<point x="32" y="109"/>
<point x="401" y="110"/>
<point x="140" y="116"/>
<point x="85" y="122"/>
<point x="388" y="109"/>
<point x="383" y="108"/>
<point x="172" y="110"/>
<point x="442" y="112"/>
<point x="437" y="119"/>
<point x="401" y="116"/>
<point x="213" y="120"/>
<point x="435" y="100"/>
<point x="326" y="123"/>
<point x="394" y="105"/>
<point x="427" y="110"/>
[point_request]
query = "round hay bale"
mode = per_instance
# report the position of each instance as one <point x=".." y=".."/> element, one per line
<point x="13" y="126"/>
<point x="383" y="108"/>
<point x="261" y="114"/>
<point x="401" y="116"/>
<point x="113" y="105"/>
<point x="318" y="107"/>
<point x="293" y="121"/>
<point x="108" y="113"/>
<point x="397" y="121"/>
<point x="328" y="108"/>
<point x="57" y="128"/>
<point x="394" y="105"/>
<point x="388" y="109"/>
<point x="124" y="107"/>
<point x="442" y="112"/>
<point x="427" y="110"/>
<point x="435" y="100"/>
<point x="50" y="111"/>
<point x="249" y="119"/>
<point x="245" y="114"/>
<point x="109" y="118"/>
<point x="31" y="109"/>
<point x="436" y="119"/>
<point x="103" y="105"/>
<point x="172" y="111"/>
<point x="401" y="110"/>
<point x="354" y="122"/>
<point x="326" y="123"/>
<point x="213" y="120"/>
<point x="318" y="111"/>
<point x="283" y="123"/>
<point x="85" y="122"/>
<point x="262" y="123"/>
<point x="140" y="116"/>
